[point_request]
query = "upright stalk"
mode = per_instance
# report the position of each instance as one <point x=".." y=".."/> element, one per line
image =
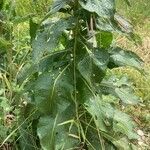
<point x="75" y="33"/>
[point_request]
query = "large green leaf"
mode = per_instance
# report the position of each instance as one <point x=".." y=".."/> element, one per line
<point x="84" y="91"/>
<point x="58" y="133"/>
<point x="67" y="130"/>
<point x="126" y="95"/>
<point x="53" y="61"/>
<point x="48" y="40"/>
<point x="116" y="24"/>
<point x="123" y="123"/>
<point x="122" y="143"/>
<point x="109" y="119"/>
<point x="109" y="25"/>
<point x="121" y="57"/>
<point x="96" y="109"/>
<point x="104" y="39"/>
<point x="43" y="89"/>
<point x="27" y="71"/>
<point x="50" y="87"/>
<point x="93" y="66"/>
<point x="57" y="5"/>
<point x="94" y="141"/>
<point x="120" y="88"/>
<point x="104" y="8"/>
<point x="46" y="132"/>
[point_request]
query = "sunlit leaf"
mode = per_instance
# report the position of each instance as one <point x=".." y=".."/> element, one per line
<point x="104" y="8"/>
<point x="57" y="5"/>
<point x="121" y="57"/>
<point x="48" y="40"/>
<point x="121" y="88"/>
<point x="93" y="66"/>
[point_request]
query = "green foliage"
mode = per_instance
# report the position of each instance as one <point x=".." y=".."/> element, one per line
<point x="68" y="84"/>
<point x="69" y="100"/>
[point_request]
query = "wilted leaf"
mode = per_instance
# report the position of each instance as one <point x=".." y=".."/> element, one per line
<point x="123" y="23"/>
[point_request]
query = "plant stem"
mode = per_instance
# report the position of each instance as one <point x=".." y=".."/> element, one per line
<point x="76" y="31"/>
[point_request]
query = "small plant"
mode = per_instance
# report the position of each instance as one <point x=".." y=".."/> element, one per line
<point x="72" y="100"/>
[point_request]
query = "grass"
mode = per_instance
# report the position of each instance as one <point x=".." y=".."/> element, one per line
<point x="139" y="14"/>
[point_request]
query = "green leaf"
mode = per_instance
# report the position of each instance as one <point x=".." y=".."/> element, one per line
<point x="67" y="135"/>
<point x="50" y="87"/>
<point x="106" y="116"/>
<point x="93" y="139"/>
<point x="127" y="96"/>
<point x="122" y="143"/>
<point x="84" y="91"/>
<point x="123" y="123"/>
<point x="116" y="24"/>
<point x="95" y="108"/>
<point x="121" y="57"/>
<point x="61" y="134"/>
<point x="121" y="88"/>
<point x="93" y="66"/>
<point x="27" y="71"/>
<point x="105" y="24"/>
<point x="55" y="60"/>
<point x="46" y="132"/>
<point x="44" y="92"/>
<point x="104" y="8"/>
<point x="57" y="5"/>
<point x="48" y="40"/>
<point x="104" y="39"/>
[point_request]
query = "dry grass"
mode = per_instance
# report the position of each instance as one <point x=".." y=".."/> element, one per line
<point x="140" y="113"/>
<point x="143" y="49"/>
